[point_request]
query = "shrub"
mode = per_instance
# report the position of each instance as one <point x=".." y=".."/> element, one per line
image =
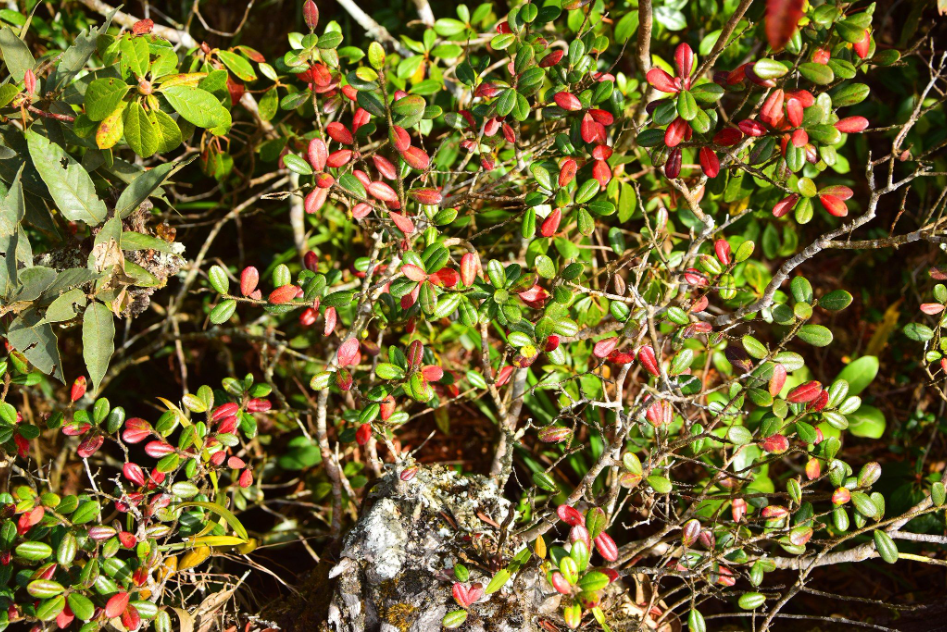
<point x="593" y="229"/>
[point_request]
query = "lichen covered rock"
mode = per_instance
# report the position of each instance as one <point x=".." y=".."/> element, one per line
<point x="394" y="572"/>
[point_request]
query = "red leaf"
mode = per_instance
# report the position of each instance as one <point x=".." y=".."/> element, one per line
<point x="570" y="515"/>
<point x="469" y="267"/>
<point x="567" y="101"/>
<point x="116" y="605"/>
<point x="249" y="279"/>
<point x="385" y="167"/>
<point x="648" y="360"/>
<point x="282" y="294"/>
<point x="604" y="347"/>
<point x="136" y="430"/>
<point x="403" y="223"/>
<point x="804" y="392"/>
<point x="414" y="273"/>
<point x="90" y="446"/>
<point x="133" y="473"/>
<point x="382" y="191"/>
<point x="445" y="277"/>
<point x="142" y="27"/>
<point x="348" y="352"/>
<point x="317" y="153"/>
<point x="782" y="17"/>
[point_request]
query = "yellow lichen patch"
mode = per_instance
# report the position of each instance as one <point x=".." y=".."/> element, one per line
<point x="400" y="615"/>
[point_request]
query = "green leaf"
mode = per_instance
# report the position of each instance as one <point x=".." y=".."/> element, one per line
<point x="864" y="505"/>
<point x="167" y="130"/>
<point x="410" y="106"/>
<point x="37" y="342"/>
<point x="938" y="494"/>
<point x="376" y="55"/>
<point x="237" y="65"/>
<point x="887" y="549"/>
<point x="222" y="311"/>
<point x="139" y="241"/>
<point x="506" y="102"/>
<point x="7" y="92"/>
<point x="65" y="307"/>
<point x="70" y="186"/>
<point x="136" y="55"/>
<point x="695" y="621"/>
<point x="867" y="421"/>
<point x="70" y="278"/>
<point x="81" y="606"/>
<point x="670" y="18"/>
<point x="144" y="184"/>
<point x="34" y="551"/>
<point x="521" y="110"/>
<point x="707" y="93"/>
<point x="849" y="94"/>
<point x="140" y="132"/>
<point x="371" y="102"/>
<point x="33" y="281"/>
<point x="446" y="27"/>
<point x="545" y="267"/>
<point x="454" y="619"/>
<point x="16" y="54"/>
<point x="769" y="69"/>
<point x="502" y="576"/>
<point x="544" y="481"/>
<point x="626" y="27"/>
<point x="353" y="185"/>
<point x="223" y="512"/>
<point x="269" y="104"/>
<point x="50" y="609"/>
<point x="98" y="340"/>
<point x="686" y="105"/>
<point x="819" y="74"/>
<point x="739" y="435"/>
<point x="859" y="374"/>
<point x="44" y="588"/>
<point x="660" y="484"/>
<point x="751" y="600"/>
<point x="918" y="332"/>
<point x="331" y="39"/>
<point x="218" y="279"/>
<point x="73" y="61"/>
<point x="835" y="300"/>
<point x="197" y="107"/>
<point x="815" y="335"/>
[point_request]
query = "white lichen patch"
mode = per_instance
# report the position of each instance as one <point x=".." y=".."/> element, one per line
<point x="381" y="542"/>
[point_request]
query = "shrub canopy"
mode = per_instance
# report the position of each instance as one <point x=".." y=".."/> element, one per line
<point x="664" y="281"/>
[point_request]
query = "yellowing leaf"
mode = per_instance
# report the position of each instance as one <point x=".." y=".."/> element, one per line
<point x="218" y="540"/>
<point x="889" y="324"/>
<point x="194" y="557"/>
<point x="540" y="548"/>
<point x="225" y="513"/>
